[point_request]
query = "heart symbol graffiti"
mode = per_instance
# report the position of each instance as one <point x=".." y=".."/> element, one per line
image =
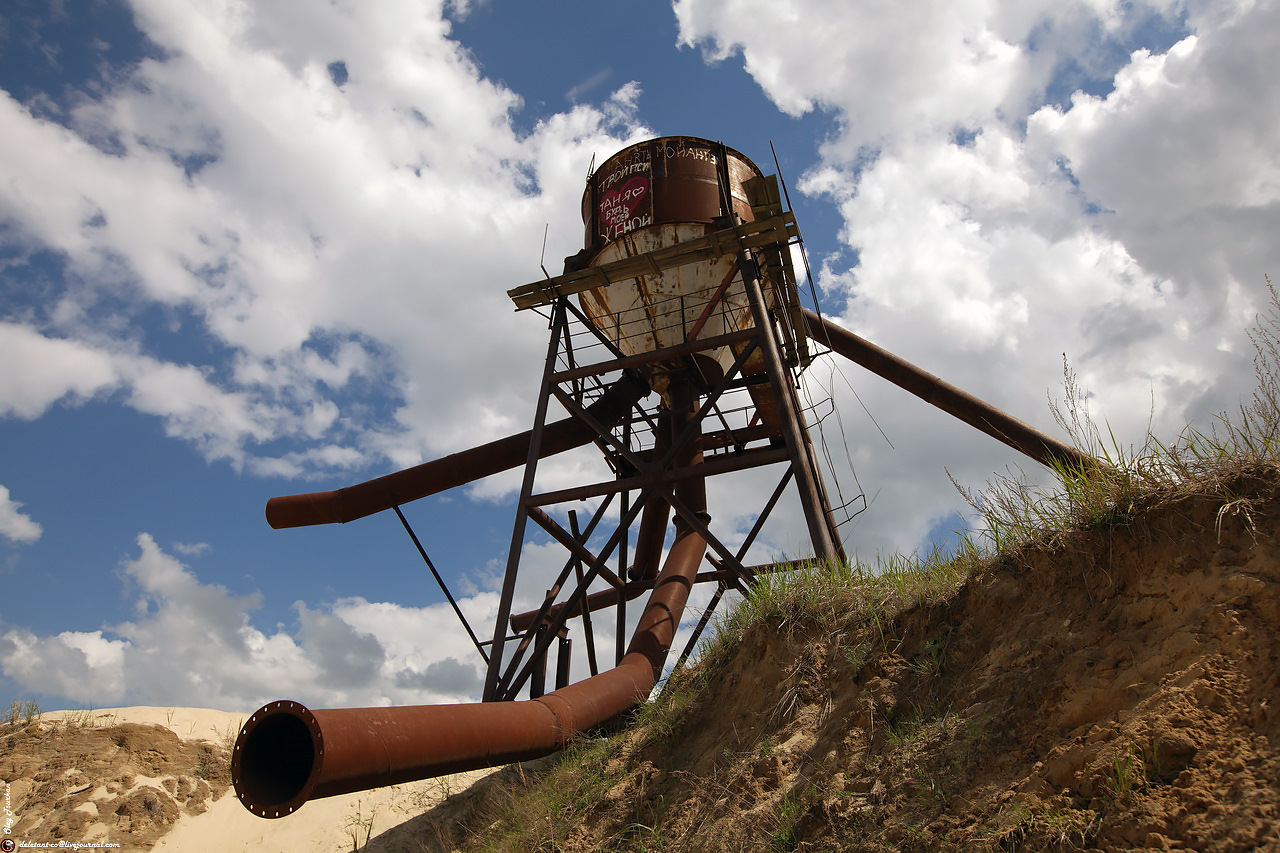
<point x="617" y="205"/>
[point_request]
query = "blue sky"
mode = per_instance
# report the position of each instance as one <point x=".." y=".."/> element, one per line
<point x="229" y="272"/>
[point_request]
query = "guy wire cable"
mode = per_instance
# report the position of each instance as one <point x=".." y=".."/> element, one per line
<point x="817" y="306"/>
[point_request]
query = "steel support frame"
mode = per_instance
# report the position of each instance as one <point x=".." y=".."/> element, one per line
<point x="657" y="480"/>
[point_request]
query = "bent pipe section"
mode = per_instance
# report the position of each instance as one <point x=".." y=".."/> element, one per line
<point x="287" y="754"/>
<point x="438" y="475"/>
<point x="960" y="404"/>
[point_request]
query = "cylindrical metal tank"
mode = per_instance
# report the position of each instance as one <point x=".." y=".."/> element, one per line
<point x="649" y="196"/>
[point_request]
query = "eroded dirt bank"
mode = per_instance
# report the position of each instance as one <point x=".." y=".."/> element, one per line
<point x="1115" y="691"/>
<point x="120" y="784"/>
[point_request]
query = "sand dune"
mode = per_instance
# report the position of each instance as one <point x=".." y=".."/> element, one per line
<point x="148" y="778"/>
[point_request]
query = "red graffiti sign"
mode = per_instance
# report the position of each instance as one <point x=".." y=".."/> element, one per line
<point x="617" y="207"/>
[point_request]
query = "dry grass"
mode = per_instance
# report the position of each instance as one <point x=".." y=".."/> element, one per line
<point x="23" y="714"/>
<point x="528" y="807"/>
<point x="1209" y="462"/>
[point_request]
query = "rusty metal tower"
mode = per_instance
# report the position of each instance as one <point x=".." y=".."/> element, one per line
<point x="676" y="338"/>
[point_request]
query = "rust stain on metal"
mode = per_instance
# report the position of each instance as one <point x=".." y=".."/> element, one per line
<point x="651" y="197"/>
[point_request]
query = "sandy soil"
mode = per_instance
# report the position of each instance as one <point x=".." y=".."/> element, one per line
<point x="1120" y="690"/>
<point x="364" y="821"/>
<point x="158" y="779"/>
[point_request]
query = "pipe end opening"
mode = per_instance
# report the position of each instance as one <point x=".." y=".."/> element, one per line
<point x="277" y="755"/>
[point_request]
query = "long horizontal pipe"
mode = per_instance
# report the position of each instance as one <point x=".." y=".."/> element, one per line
<point x="976" y="413"/>
<point x="287" y="754"/>
<point x="438" y="475"/>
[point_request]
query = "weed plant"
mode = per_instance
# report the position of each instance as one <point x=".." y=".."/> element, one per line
<point x="530" y="814"/>
<point x="24" y="713"/>
<point x="1208" y="461"/>
<point x="816" y="595"/>
<point x="789" y="811"/>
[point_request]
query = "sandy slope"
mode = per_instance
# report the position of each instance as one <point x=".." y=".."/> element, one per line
<point x="334" y="824"/>
<point x="1117" y="689"/>
<point x="1113" y="687"/>
<point x="158" y="778"/>
<point x="187" y="723"/>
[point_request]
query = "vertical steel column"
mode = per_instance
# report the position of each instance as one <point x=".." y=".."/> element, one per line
<point x="828" y="514"/>
<point x="620" y="625"/>
<point x="588" y="630"/>
<point x="494" y="671"/>
<point x="564" y="656"/>
<point x="538" y="682"/>
<point x="813" y="500"/>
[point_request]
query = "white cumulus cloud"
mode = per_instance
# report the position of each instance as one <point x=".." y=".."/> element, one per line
<point x="15" y="524"/>
<point x="313" y="233"/>
<point x="994" y="222"/>
<point x="195" y="643"/>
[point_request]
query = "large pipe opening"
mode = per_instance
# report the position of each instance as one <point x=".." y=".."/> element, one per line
<point x="275" y="757"/>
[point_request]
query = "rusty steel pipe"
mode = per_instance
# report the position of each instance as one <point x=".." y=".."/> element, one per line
<point x="287" y="754"/>
<point x="977" y="413"/>
<point x="653" y="520"/>
<point x="649" y="538"/>
<point x="429" y="478"/>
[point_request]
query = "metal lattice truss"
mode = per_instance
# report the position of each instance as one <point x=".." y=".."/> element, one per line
<point x="699" y="427"/>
